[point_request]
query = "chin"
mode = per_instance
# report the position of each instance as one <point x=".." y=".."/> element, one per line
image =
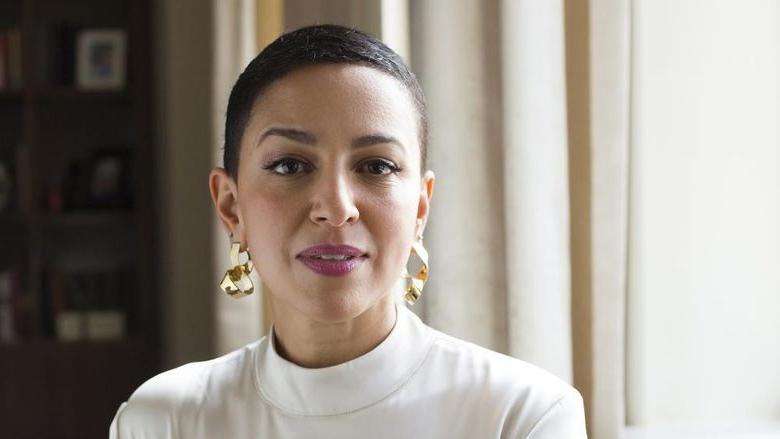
<point x="333" y="307"/>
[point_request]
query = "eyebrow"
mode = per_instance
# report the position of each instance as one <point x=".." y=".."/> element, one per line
<point x="307" y="138"/>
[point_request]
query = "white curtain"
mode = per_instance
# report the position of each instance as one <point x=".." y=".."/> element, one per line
<point x="237" y="322"/>
<point x="599" y="35"/>
<point x="499" y="230"/>
<point x="529" y="105"/>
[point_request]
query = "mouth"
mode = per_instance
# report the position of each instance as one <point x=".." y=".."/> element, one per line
<point x="332" y="257"/>
<point x="332" y="260"/>
<point x="332" y="252"/>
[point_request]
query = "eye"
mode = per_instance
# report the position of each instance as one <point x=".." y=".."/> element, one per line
<point x="380" y="167"/>
<point x="286" y="166"/>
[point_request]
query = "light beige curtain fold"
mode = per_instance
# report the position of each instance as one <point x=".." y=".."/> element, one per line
<point x="529" y="141"/>
<point x="237" y="322"/>
<point x="536" y="185"/>
<point x="494" y="76"/>
<point x="609" y="89"/>
<point x="466" y="293"/>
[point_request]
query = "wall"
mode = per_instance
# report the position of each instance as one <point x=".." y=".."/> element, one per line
<point x="704" y="291"/>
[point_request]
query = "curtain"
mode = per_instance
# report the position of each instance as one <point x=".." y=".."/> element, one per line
<point x="499" y="229"/>
<point x="237" y="322"/>
<point x="184" y="132"/>
<point x="528" y="109"/>
<point x="598" y="65"/>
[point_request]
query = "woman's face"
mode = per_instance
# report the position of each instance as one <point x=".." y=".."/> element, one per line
<point x="330" y="156"/>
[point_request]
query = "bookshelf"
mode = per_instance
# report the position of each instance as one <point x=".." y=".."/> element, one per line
<point x="78" y="238"/>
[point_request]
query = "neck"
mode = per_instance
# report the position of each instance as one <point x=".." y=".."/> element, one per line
<point x="314" y="344"/>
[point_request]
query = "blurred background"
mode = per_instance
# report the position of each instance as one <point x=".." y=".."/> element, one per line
<point x="606" y="203"/>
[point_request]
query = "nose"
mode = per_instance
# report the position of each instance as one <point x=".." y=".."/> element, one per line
<point x="333" y="202"/>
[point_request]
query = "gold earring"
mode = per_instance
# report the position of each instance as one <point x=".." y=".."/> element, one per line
<point x="415" y="284"/>
<point x="237" y="282"/>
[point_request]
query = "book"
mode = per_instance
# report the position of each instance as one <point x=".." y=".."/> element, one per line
<point x="3" y="60"/>
<point x="7" y="330"/>
<point x="84" y="303"/>
<point x="14" y="59"/>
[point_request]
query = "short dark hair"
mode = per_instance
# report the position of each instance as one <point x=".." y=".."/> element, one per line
<point x="310" y="45"/>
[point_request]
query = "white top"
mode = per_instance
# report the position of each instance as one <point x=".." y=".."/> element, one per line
<point x="417" y="383"/>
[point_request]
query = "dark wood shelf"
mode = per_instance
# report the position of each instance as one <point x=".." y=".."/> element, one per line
<point x="71" y="95"/>
<point x="87" y="218"/>
<point x="11" y="97"/>
<point x="52" y="345"/>
<point x="90" y="218"/>
<point x="12" y="220"/>
<point x="53" y="136"/>
<point x="76" y="386"/>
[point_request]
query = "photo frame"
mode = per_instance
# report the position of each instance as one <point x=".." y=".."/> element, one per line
<point x="6" y="185"/>
<point x="100" y="59"/>
<point x="109" y="179"/>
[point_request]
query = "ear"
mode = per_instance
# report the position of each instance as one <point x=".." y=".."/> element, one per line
<point x="423" y="206"/>
<point x="224" y="194"/>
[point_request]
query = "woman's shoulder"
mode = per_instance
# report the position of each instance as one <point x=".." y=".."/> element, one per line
<point x="528" y="393"/>
<point x="167" y="396"/>
<point x="487" y="364"/>
<point x="190" y="381"/>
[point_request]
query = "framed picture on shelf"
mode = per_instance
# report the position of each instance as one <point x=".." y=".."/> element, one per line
<point x="6" y="185"/>
<point x="109" y="179"/>
<point x="100" y="59"/>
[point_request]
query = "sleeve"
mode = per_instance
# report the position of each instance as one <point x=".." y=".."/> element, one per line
<point x="142" y="420"/>
<point x="564" y="420"/>
<point x="113" y="430"/>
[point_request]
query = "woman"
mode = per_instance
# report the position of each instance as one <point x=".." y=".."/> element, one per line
<point x="325" y="181"/>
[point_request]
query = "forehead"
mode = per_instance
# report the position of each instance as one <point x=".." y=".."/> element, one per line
<point x="338" y="99"/>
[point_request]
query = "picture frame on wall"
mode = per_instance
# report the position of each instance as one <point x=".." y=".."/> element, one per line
<point x="109" y="179"/>
<point x="101" y="57"/>
<point x="6" y="185"/>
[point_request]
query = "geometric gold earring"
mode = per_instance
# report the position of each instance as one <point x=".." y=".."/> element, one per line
<point x="415" y="283"/>
<point x="236" y="283"/>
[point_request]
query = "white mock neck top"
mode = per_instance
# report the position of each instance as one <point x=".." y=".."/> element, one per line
<point x="418" y="382"/>
<point x="346" y="387"/>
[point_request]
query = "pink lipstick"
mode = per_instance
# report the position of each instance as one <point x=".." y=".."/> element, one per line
<point x="332" y="260"/>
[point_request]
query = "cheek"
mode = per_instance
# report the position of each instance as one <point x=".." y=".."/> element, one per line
<point x="269" y="219"/>
<point x="391" y="220"/>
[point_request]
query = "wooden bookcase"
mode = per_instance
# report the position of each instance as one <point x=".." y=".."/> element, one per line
<point x="52" y="135"/>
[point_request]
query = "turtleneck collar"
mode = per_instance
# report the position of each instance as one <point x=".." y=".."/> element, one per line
<point x="348" y="386"/>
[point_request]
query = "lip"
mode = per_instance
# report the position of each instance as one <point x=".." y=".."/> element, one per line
<point x="332" y="267"/>
<point x="328" y="249"/>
